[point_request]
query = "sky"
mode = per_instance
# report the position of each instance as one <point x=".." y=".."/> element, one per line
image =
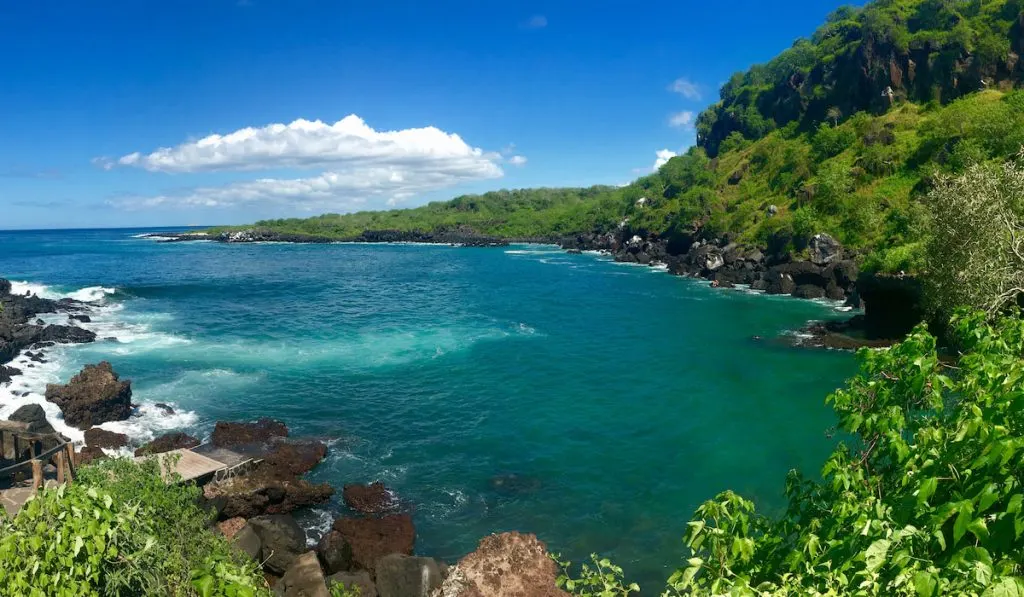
<point x="122" y="113"/>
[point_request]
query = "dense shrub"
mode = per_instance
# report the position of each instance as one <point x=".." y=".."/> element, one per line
<point x="119" y="530"/>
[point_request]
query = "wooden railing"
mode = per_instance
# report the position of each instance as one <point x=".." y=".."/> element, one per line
<point x="21" y="450"/>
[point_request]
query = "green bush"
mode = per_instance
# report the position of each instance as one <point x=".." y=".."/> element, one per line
<point x="119" y="530"/>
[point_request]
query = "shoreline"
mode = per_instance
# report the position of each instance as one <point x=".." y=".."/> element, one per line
<point x="887" y="307"/>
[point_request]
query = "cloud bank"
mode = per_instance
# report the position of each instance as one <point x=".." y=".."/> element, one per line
<point x="363" y="168"/>
<point x="686" y="88"/>
<point x="682" y="119"/>
<point x="663" y="155"/>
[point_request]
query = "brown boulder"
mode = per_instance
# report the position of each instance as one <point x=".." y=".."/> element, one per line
<point x="303" y="579"/>
<point x="293" y="458"/>
<point x="101" y="438"/>
<point x="168" y="442"/>
<point x="505" y="565"/>
<point x="259" y="493"/>
<point x="374" y="538"/>
<point x="89" y="454"/>
<point x="374" y="498"/>
<point x="230" y="527"/>
<point x="226" y="434"/>
<point x="94" y="396"/>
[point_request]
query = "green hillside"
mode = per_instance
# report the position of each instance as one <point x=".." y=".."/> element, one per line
<point x="809" y="142"/>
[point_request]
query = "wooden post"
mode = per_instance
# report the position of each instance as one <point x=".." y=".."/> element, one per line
<point x="59" y="461"/>
<point x="71" y="462"/>
<point x="37" y="473"/>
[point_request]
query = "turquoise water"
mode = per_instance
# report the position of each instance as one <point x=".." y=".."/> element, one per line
<point x="620" y="397"/>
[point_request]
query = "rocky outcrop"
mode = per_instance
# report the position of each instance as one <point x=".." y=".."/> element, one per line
<point x="334" y="552"/>
<point x="34" y="416"/>
<point x="374" y="498"/>
<point x="461" y="236"/>
<point x="262" y="493"/>
<point x="400" y="575"/>
<point x="247" y="542"/>
<point x="374" y="538"/>
<point x="229" y="434"/>
<point x="303" y="579"/>
<point x="95" y="396"/>
<point x="101" y="438"/>
<point x="17" y="333"/>
<point x="230" y="527"/>
<point x="505" y="565"/>
<point x="282" y="541"/>
<point x="167" y="442"/>
<point x="89" y="454"/>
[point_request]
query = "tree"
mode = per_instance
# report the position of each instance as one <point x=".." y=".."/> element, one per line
<point x="834" y="114"/>
<point x="975" y="255"/>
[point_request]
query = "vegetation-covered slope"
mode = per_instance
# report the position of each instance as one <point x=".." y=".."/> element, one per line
<point x="843" y="133"/>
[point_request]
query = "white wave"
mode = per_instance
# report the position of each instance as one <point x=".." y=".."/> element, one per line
<point x="30" y="388"/>
<point x="534" y="252"/>
<point x="92" y="294"/>
<point x="27" y="288"/>
<point x="149" y="421"/>
<point x="316" y="522"/>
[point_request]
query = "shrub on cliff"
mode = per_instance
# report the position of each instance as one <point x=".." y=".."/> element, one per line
<point x="926" y="497"/>
<point x="976" y="249"/>
<point x="119" y="530"/>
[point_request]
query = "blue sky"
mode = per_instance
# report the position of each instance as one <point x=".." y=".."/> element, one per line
<point x="108" y="106"/>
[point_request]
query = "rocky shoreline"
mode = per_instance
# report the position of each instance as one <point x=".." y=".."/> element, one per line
<point x="892" y="305"/>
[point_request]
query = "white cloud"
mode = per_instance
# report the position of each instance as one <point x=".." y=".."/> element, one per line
<point x="664" y="155"/>
<point x="363" y="168"/>
<point x="682" y="119"/>
<point x="305" y="144"/>
<point x="686" y="88"/>
<point x="349" y="190"/>
<point x="536" y="22"/>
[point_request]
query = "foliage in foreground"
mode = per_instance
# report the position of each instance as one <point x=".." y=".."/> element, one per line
<point x="119" y="530"/>
<point x="925" y="497"/>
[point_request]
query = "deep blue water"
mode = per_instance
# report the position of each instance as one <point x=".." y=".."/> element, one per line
<point x="619" y="396"/>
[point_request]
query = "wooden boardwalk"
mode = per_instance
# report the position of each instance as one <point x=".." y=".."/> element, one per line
<point x="189" y="466"/>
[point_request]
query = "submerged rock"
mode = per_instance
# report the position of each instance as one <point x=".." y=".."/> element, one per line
<point x="374" y="498"/>
<point x="94" y="396"/>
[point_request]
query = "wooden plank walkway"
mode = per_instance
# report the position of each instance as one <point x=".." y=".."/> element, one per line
<point x="190" y="466"/>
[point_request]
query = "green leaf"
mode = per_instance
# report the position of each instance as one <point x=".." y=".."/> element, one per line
<point x="927" y="490"/>
<point x="963" y="519"/>
<point x="1006" y="587"/>
<point x="925" y="584"/>
<point x="874" y="557"/>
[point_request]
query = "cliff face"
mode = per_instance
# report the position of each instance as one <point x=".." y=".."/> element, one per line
<point x="867" y="59"/>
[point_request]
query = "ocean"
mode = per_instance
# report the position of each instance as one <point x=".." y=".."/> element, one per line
<point x="522" y="388"/>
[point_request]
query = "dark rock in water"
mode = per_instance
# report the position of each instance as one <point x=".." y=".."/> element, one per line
<point x="838" y="335"/>
<point x="5" y="286"/>
<point x="35" y="416"/>
<point x="81" y="318"/>
<point x="227" y="434"/>
<point x="803" y="272"/>
<point x="294" y="458"/>
<point x="400" y="575"/>
<point x="334" y="552"/>
<point x="89" y="454"/>
<point x="359" y="580"/>
<point x="101" y="438"/>
<point x="824" y="249"/>
<point x="40" y="322"/>
<point x="776" y="282"/>
<point x="843" y="273"/>
<point x="760" y="284"/>
<point x="8" y="373"/>
<point x="513" y="484"/>
<point x="262" y="492"/>
<point x="374" y="538"/>
<point x="94" y="396"/>
<point x="164" y="407"/>
<point x="304" y="579"/>
<point x="167" y="442"/>
<point x="282" y="539"/>
<point x="374" y="498"/>
<point x="505" y="565"/>
<point x="809" y="291"/>
<point x="574" y="252"/>
<point x="66" y="334"/>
